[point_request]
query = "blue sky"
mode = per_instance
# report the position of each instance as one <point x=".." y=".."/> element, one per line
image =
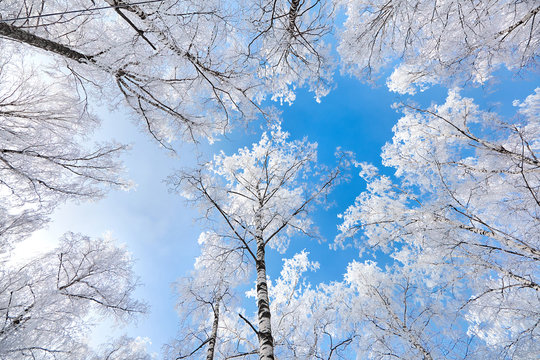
<point x="159" y="229"/>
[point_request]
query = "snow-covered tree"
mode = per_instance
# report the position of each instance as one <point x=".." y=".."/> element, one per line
<point x="121" y="349"/>
<point x="306" y="320"/>
<point x="204" y="296"/>
<point x="43" y="162"/>
<point x="373" y="313"/>
<point x="289" y="40"/>
<point x="262" y="197"/>
<point x="174" y="62"/>
<point x="399" y="312"/>
<point x="465" y="210"/>
<point x="436" y="42"/>
<point x="46" y="302"/>
<point x="186" y="68"/>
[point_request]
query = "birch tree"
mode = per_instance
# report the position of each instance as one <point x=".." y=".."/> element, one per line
<point x="434" y="42"/>
<point x="45" y="303"/>
<point x="465" y="209"/>
<point x="205" y="296"/>
<point x="262" y="196"/>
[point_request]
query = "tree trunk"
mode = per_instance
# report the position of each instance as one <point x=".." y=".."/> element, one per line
<point x="213" y="336"/>
<point x="16" y="34"/>
<point x="293" y="13"/>
<point x="266" y="341"/>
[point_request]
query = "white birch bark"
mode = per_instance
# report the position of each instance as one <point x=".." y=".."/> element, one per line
<point x="266" y="340"/>
<point x="213" y="336"/>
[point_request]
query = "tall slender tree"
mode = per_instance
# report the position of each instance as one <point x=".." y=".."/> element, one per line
<point x="204" y="296"/>
<point x="291" y="41"/>
<point x="262" y="196"/>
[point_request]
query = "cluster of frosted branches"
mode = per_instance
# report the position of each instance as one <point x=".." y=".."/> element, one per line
<point x="185" y="68"/>
<point x="433" y="42"/>
<point x="45" y="303"/>
<point x="42" y="160"/>
<point x="459" y="169"/>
